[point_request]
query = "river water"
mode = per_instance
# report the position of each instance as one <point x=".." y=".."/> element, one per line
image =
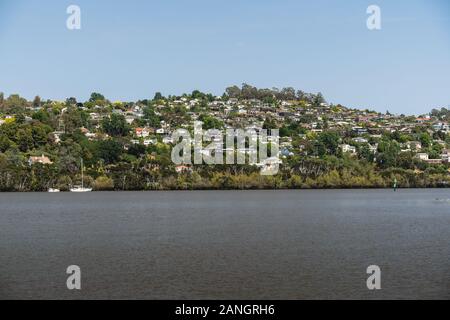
<point x="298" y="244"/>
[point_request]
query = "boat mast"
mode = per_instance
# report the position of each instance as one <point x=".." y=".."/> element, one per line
<point x="82" y="176"/>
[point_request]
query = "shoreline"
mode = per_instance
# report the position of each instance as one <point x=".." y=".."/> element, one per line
<point x="246" y="189"/>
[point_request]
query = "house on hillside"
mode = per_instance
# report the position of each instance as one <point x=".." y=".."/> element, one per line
<point x="346" y="148"/>
<point x="445" y="155"/>
<point x="183" y="168"/>
<point x="142" y="132"/>
<point x="422" y="156"/>
<point x="43" y="160"/>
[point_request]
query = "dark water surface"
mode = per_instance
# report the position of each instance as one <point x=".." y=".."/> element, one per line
<point x="302" y="244"/>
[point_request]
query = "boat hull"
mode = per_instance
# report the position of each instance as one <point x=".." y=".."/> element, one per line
<point x="81" y="190"/>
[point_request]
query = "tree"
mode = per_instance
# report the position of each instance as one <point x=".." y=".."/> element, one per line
<point x="288" y="93"/>
<point x="318" y="99"/>
<point x="318" y="148"/>
<point x="330" y="141"/>
<point x="152" y="118"/>
<point x="24" y="139"/>
<point x="389" y="151"/>
<point x="210" y="122"/>
<point x="436" y="151"/>
<point x="267" y="96"/>
<point x="158" y="96"/>
<point x="196" y="94"/>
<point x="15" y="103"/>
<point x="109" y="150"/>
<point x="71" y="101"/>
<point x="248" y="91"/>
<point x="40" y="134"/>
<point x="405" y="160"/>
<point x="5" y="143"/>
<point x="233" y="92"/>
<point x="300" y="95"/>
<point x="425" y="139"/>
<point x="104" y="183"/>
<point x="285" y="132"/>
<point x="73" y="119"/>
<point x="41" y="116"/>
<point x="2" y="98"/>
<point x="20" y="118"/>
<point x="269" y="124"/>
<point x="116" y="125"/>
<point x="96" y="97"/>
<point x="365" y="153"/>
<point x="37" y="102"/>
<point x="136" y="150"/>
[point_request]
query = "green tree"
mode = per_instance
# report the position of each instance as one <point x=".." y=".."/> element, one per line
<point x="233" y="92"/>
<point x="40" y="133"/>
<point x="109" y="151"/>
<point x="71" y="101"/>
<point x="74" y="119"/>
<point x="210" y="122"/>
<point x="365" y="153"/>
<point x="318" y="99"/>
<point x="15" y="104"/>
<point x="37" y="102"/>
<point x="24" y="139"/>
<point x="158" y="96"/>
<point x="389" y="151"/>
<point x="425" y="139"/>
<point x="330" y="140"/>
<point x="96" y="97"/>
<point x="116" y="125"/>
<point x="405" y="160"/>
<point x="137" y="150"/>
<point x="104" y="183"/>
<point x="42" y="116"/>
<point x="196" y="94"/>
<point x="152" y="118"/>
<point x="5" y="143"/>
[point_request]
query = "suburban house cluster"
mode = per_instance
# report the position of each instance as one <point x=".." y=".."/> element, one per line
<point x="355" y="127"/>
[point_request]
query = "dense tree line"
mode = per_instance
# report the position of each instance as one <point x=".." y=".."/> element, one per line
<point x="272" y="95"/>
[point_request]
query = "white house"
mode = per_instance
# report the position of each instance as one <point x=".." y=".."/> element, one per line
<point x="346" y="148"/>
<point x="167" y="140"/>
<point x="360" y="140"/>
<point x="445" y="155"/>
<point x="148" y="142"/>
<point x="422" y="156"/>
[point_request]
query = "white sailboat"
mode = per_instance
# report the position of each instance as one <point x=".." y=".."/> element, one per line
<point x="53" y="190"/>
<point x="81" y="188"/>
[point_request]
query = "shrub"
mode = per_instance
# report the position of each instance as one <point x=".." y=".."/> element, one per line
<point x="104" y="183"/>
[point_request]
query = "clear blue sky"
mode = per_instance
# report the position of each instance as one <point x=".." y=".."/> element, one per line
<point x="127" y="50"/>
